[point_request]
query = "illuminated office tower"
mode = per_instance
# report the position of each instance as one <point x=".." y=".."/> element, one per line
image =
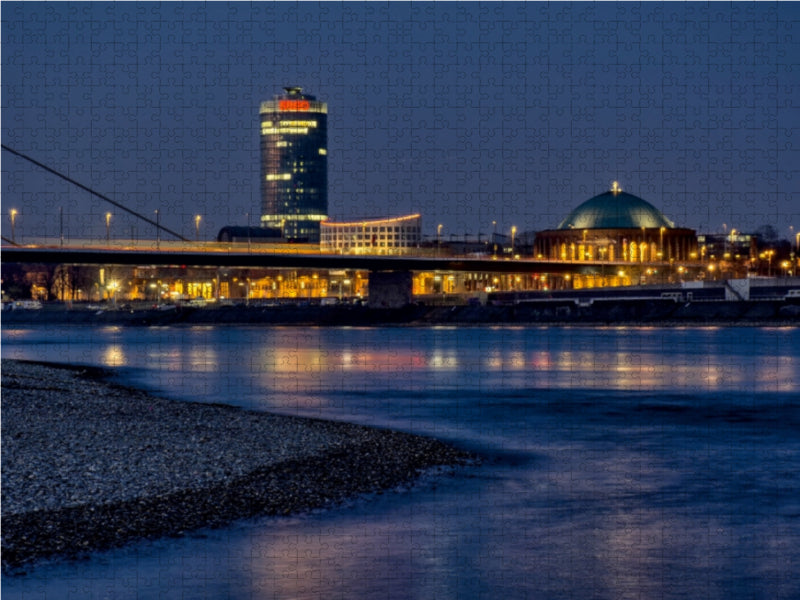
<point x="294" y="164"/>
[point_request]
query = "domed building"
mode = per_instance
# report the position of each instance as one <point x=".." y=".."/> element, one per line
<point x="616" y="226"/>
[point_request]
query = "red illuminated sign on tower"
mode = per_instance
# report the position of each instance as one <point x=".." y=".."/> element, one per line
<point x="294" y="105"/>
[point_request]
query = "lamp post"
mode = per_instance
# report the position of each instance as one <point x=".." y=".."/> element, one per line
<point x="602" y="252"/>
<point x="197" y="228"/>
<point x="513" y="233"/>
<point x="494" y="238"/>
<point x="796" y="256"/>
<point x="438" y="238"/>
<point x="661" y="242"/>
<point x="13" y="214"/>
<point x="158" y="230"/>
<point x="724" y="239"/>
<point x="768" y="255"/>
<point x="108" y="228"/>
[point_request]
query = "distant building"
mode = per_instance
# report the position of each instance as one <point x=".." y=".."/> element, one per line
<point x="617" y="226"/>
<point x="377" y="236"/>
<point x="726" y="246"/>
<point x="294" y="164"/>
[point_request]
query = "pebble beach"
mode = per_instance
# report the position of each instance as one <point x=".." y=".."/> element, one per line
<point x="90" y="465"/>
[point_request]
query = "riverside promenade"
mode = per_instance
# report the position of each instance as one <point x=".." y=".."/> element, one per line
<point x="90" y="465"/>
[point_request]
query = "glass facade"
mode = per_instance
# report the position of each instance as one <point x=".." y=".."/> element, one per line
<point x="294" y="164"/>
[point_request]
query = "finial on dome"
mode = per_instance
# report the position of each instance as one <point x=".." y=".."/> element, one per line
<point x="615" y="189"/>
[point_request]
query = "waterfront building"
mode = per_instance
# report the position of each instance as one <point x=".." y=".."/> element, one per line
<point x="294" y="164"/>
<point x="617" y="226"/>
<point x="397" y="235"/>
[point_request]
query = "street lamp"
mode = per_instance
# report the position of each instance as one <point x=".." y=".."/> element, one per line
<point x="158" y="230"/>
<point x="438" y="238"/>
<point x="13" y="214"/>
<point x="724" y="239"/>
<point x="197" y="228"/>
<point x="108" y="228"/>
<point x="768" y="254"/>
<point x="248" y="232"/>
<point x="661" y="243"/>
<point x="602" y="250"/>
<point x="513" y="233"/>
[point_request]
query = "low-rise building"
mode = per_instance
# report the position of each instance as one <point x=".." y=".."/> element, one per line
<point x="617" y="226"/>
<point x="399" y="235"/>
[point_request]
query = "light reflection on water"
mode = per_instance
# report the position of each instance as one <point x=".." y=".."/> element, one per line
<point x="114" y="356"/>
<point x="619" y="463"/>
<point x="558" y="359"/>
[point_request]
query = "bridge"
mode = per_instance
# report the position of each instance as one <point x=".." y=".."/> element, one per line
<point x="225" y="255"/>
<point x="390" y="277"/>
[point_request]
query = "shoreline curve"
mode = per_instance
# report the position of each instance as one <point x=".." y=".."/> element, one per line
<point x="89" y="465"/>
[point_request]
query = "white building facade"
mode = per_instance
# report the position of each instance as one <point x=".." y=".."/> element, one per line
<point x="397" y="235"/>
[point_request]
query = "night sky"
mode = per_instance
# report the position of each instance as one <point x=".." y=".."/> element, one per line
<point x="468" y="113"/>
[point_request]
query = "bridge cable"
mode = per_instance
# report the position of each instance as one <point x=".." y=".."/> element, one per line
<point x="98" y="194"/>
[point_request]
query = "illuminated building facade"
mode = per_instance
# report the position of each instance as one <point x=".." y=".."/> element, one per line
<point x="617" y="226"/>
<point x="294" y="164"/>
<point x="727" y="246"/>
<point x="379" y="236"/>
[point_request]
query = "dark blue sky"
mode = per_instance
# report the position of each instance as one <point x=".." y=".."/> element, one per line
<point x="465" y="112"/>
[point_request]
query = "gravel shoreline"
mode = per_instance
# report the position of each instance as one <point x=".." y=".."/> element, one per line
<point x="89" y="465"/>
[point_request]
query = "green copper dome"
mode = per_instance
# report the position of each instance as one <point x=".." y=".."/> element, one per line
<point x="615" y="209"/>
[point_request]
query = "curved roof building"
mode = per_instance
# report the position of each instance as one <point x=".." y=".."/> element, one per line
<point x="372" y="236"/>
<point x="616" y="226"/>
<point x="615" y="209"/>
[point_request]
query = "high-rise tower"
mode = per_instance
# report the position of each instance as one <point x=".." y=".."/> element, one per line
<point x="294" y="164"/>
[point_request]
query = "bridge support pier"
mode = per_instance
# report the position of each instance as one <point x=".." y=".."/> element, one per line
<point x="390" y="289"/>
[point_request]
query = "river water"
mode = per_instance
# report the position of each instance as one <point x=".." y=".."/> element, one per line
<point x="617" y="462"/>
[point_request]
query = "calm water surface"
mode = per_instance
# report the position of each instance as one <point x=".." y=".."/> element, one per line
<point x="619" y="462"/>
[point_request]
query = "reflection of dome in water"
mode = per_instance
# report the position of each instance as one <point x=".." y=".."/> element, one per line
<point x="615" y="209"/>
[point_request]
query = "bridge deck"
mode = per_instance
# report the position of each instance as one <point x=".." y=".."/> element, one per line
<point x="260" y="259"/>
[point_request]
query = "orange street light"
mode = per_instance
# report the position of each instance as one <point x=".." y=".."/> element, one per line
<point x="513" y="233"/>
<point x="13" y="214"/>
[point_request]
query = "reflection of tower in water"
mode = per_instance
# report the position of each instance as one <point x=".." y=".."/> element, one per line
<point x="294" y="164"/>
